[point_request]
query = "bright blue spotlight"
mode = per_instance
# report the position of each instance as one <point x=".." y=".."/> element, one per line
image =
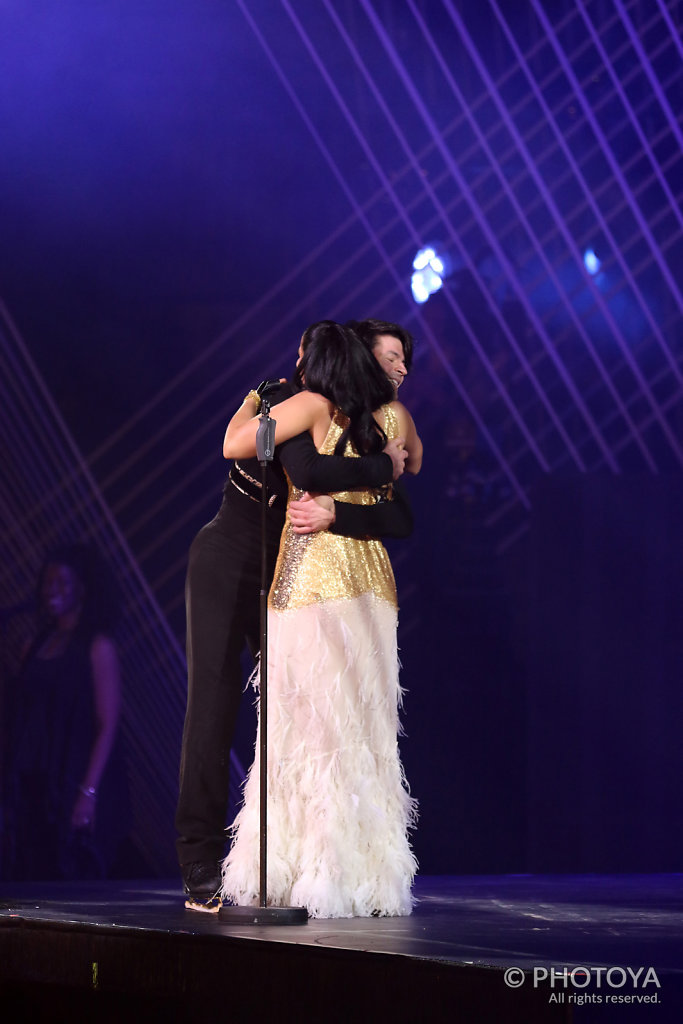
<point x="418" y="287"/>
<point x="591" y="262"/>
<point x="428" y="269"/>
<point x="422" y="259"/>
<point x="424" y="283"/>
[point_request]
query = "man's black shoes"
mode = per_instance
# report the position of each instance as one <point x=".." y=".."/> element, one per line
<point x="202" y="885"/>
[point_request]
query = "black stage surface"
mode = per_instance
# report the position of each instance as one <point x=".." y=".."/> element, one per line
<point x="109" y="950"/>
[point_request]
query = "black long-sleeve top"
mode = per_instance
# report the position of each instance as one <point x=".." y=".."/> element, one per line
<point x="321" y="474"/>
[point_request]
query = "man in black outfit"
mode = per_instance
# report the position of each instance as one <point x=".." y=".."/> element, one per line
<point x="222" y="602"/>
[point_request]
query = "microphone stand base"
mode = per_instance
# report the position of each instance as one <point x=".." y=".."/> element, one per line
<point x="263" y="915"/>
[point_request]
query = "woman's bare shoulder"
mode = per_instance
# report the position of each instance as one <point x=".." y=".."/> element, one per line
<point x="317" y="405"/>
<point x="399" y="409"/>
<point x="103" y="648"/>
<point x="308" y="399"/>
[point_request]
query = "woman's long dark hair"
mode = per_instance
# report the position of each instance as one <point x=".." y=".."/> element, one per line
<point x="336" y="364"/>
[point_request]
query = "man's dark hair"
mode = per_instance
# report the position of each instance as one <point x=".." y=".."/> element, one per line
<point x="368" y="330"/>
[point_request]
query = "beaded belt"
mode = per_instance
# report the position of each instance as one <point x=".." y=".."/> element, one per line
<point x="247" y="485"/>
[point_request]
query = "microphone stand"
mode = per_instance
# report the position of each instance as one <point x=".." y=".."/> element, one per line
<point x="263" y="914"/>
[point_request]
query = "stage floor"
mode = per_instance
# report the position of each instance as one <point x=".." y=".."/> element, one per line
<point x="464" y="935"/>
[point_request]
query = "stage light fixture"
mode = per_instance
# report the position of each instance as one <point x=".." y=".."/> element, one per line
<point x="591" y="262"/>
<point x="428" y="271"/>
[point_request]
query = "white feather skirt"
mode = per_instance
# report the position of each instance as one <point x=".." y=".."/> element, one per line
<point x="339" y="809"/>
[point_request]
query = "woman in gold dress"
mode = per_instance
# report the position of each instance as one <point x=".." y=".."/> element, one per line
<point x="339" y="809"/>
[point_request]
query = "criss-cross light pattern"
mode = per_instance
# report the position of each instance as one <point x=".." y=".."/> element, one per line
<point x="518" y="140"/>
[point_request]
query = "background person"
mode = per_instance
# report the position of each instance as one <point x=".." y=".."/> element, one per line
<point x="68" y="807"/>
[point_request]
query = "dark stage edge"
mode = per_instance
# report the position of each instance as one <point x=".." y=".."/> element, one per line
<point x="104" y="951"/>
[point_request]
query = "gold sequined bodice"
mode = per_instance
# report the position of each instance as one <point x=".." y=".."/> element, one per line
<point x="325" y="566"/>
